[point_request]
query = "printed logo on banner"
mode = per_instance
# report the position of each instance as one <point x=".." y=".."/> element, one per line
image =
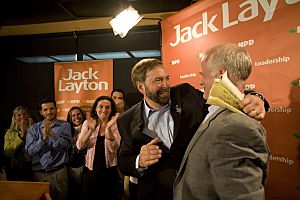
<point x="80" y="83"/>
<point x="296" y="135"/>
<point x="191" y="75"/>
<point x="295" y="82"/>
<point x="280" y="59"/>
<point x="175" y="62"/>
<point x="250" y="12"/>
<point x="286" y="110"/>
<point x="246" y="43"/>
<point x="269" y="31"/>
<point x="86" y="84"/>
<point x="249" y="87"/>
<point x="281" y="159"/>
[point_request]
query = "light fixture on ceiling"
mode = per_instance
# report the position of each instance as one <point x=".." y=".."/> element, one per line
<point x="124" y="21"/>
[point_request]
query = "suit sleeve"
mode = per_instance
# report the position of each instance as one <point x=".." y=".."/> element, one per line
<point x="126" y="155"/>
<point x="238" y="161"/>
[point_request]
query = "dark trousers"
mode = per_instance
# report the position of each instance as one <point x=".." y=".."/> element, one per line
<point x="100" y="184"/>
<point x="132" y="191"/>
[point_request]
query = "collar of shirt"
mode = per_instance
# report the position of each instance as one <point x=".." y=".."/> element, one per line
<point x="159" y="123"/>
<point x="54" y="122"/>
<point x="211" y="110"/>
<point x="149" y="111"/>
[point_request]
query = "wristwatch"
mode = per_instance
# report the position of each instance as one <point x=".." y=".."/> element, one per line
<point x="266" y="103"/>
<point x="257" y="94"/>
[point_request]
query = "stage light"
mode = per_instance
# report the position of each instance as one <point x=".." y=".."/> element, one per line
<point x="124" y="21"/>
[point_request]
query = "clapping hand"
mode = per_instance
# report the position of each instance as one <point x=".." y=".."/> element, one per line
<point x="112" y="120"/>
<point x="92" y="124"/>
<point x="150" y="153"/>
<point x="47" y="129"/>
<point x="108" y="133"/>
<point x="24" y="123"/>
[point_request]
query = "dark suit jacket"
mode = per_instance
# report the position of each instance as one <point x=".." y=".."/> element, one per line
<point x="226" y="159"/>
<point x="188" y="111"/>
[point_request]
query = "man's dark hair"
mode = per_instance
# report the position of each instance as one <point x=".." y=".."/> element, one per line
<point x="112" y="103"/>
<point x="69" y="116"/>
<point x="140" y="69"/>
<point x="117" y="90"/>
<point x="46" y="100"/>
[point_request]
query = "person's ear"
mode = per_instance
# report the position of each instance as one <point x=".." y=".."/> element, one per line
<point x="140" y="86"/>
<point x="221" y="72"/>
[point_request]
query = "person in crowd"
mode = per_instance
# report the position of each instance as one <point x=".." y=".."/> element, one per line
<point x="100" y="136"/>
<point x="48" y="142"/>
<point x="76" y="117"/>
<point x="118" y="96"/>
<point x="87" y="111"/>
<point x="19" y="167"/>
<point x="156" y="131"/>
<point x="2" y="163"/>
<point x="227" y="157"/>
<point x="129" y="184"/>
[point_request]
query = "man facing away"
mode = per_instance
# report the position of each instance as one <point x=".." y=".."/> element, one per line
<point x="156" y="131"/>
<point x="227" y="157"/>
<point x="48" y="142"/>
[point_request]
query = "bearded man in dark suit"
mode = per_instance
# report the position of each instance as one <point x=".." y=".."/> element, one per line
<point x="156" y="131"/>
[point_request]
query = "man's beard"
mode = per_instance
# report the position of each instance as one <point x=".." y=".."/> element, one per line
<point x="157" y="96"/>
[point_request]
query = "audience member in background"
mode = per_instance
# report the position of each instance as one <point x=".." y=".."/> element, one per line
<point x="19" y="167"/>
<point x="101" y="138"/>
<point x="228" y="156"/>
<point x="48" y="142"/>
<point x="133" y="98"/>
<point x="156" y="131"/>
<point x="2" y="171"/>
<point x="87" y="111"/>
<point x="118" y="96"/>
<point x="76" y="117"/>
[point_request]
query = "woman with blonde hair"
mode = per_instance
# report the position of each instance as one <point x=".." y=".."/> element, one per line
<point x="19" y="168"/>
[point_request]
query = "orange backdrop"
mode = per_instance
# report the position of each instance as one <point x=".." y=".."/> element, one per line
<point x="270" y="31"/>
<point x="80" y="83"/>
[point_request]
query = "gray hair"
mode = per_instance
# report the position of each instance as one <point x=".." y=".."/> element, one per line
<point x="140" y="69"/>
<point x="234" y="59"/>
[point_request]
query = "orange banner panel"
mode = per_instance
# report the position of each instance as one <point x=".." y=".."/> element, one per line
<point x="270" y="31"/>
<point x="80" y="83"/>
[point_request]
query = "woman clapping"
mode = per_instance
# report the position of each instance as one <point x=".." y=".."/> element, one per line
<point x="100" y="136"/>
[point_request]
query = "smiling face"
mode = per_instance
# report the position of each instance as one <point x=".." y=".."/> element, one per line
<point x="21" y="115"/>
<point x="103" y="110"/>
<point x="48" y="111"/>
<point x="77" y="117"/>
<point x="156" y="88"/>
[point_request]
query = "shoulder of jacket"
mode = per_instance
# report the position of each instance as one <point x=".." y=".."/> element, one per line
<point x="131" y="111"/>
<point x="235" y="119"/>
<point x="182" y="86"/>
